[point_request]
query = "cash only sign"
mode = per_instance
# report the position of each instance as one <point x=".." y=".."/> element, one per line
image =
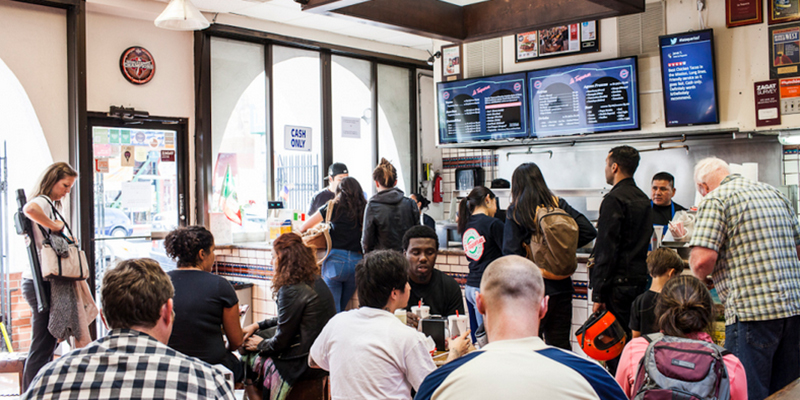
<point x="297" y="138"/>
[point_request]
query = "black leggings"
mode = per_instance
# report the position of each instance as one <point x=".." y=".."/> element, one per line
<point x="556" y="325"/>
<point x="43" y="344"/>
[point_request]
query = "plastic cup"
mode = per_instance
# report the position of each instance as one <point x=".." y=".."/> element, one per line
<point x="422" y="312"/>
<point x="401" y="315"/>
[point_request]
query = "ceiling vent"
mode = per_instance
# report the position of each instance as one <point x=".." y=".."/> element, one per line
<point x="484" y="58"/>
<point x="637" y="34"/>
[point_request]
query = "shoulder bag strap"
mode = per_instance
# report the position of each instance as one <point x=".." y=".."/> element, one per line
<point x="327" y="232"/>
<point x="58" y="215"/>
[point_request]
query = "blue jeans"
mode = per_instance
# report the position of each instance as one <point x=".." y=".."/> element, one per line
<point x="769" y="352"/>
<point x="475" y="318"/>
<point x="339" y="273"/>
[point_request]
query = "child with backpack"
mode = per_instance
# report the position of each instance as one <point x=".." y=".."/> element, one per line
<point x="534" y="207"/>
<point x="482" y="238"/>
<point x="682" y="358"/>
<point x="662" y="264"/>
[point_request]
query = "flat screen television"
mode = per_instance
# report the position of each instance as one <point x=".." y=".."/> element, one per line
<point x="486" y="108"/>
<point x="688" y="76"/>
<point x="593" y="97"/>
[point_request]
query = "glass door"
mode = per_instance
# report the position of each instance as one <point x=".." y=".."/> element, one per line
<point x="140" y="183"/>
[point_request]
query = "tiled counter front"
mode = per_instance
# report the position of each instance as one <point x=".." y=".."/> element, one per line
<point x="453" y="262"/>
<point x="253" y="264"/>
<point x="250" y="264"/>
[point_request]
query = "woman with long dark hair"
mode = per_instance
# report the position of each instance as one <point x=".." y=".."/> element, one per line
<point x="339" y="268"/>
<point x="389" y="213"/>
<point x="529" y="191"/>
<point x="54" y="185"/>
<point x="685" y="309"/>
<point x="482" y="238"/>
<point x="305" y="305"/>
<point x="203" y="302"/>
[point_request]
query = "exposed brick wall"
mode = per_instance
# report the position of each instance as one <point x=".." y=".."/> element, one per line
<point x="20" y="315"/>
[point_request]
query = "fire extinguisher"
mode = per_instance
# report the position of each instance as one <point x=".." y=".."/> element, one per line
<point x="437" y="188"/>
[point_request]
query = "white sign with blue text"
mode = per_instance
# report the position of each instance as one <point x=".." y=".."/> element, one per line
<point x="297" y="138"/>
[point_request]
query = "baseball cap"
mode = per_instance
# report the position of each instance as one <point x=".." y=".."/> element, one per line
<point x="337" y="169"/>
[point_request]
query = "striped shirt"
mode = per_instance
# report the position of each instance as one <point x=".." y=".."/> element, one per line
<point x="755" y="232"/>
<point x="520" y="368"/>
<point x="128" y="364"/>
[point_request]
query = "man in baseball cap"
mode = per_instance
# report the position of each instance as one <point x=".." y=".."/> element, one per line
<point x="336" y="172"/>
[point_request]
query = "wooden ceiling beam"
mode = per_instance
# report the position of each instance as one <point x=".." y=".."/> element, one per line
<point x="489" y="19"/>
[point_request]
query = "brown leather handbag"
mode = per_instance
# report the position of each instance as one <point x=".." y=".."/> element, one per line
<point x="319" y="237"/>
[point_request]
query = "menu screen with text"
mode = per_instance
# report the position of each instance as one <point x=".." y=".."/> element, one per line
<point x="687" y="72"/>
<point x="585" y="98"/>
<point x="486" y="108"/>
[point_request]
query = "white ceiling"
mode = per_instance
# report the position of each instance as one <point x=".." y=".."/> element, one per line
<point x="288" y="12"/>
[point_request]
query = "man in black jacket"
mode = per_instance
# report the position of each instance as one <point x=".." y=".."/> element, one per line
<point x="624" y="229"/>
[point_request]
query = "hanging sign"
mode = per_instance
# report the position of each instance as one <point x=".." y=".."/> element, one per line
<point x="351" y="127"/>
<point x="168" y="155"/>
<point x="297" y="138"/>
<point x="137" y="65"/>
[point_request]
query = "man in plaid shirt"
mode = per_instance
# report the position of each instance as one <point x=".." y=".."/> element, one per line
<point x="133" y="361"/>
<point x="746" y="237"/>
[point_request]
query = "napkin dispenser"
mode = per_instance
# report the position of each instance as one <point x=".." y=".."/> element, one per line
<point x="435" y="327"/>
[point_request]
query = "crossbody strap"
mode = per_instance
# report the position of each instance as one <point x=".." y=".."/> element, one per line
<point x="58" y="215"/>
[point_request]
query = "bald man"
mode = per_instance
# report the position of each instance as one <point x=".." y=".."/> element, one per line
<point x="516" y="363"/>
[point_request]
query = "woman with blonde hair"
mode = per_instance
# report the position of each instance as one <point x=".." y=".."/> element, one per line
<point x="42" y="208"/>
<point x="389" y="213"/>
<point x="305" y="304"/>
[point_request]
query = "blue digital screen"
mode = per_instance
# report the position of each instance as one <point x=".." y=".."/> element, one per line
<point x="486" y="108"/>
<point x="585" y="98"/>
<point x="687" y="74"/>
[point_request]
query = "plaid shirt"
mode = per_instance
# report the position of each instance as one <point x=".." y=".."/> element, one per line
<point x="755" y="231"/>
<point x="128" y="364"/>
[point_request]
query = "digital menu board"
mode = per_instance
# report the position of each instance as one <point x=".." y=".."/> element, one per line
<point x="486" y="108"/>
<point x="688" y="74"/>
<point x="585" y="98"/>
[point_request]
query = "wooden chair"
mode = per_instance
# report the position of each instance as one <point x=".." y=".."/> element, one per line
<point x="13" y="363"/>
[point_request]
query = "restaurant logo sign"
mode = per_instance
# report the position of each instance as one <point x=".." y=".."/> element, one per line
<point x="473" y="244"/>
<point x="137" y="65"/>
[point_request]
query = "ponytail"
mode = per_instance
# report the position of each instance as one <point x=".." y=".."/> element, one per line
<point x="385" y="174"/>
<point x="684" y="307"/>
<point x="474" y="199"/>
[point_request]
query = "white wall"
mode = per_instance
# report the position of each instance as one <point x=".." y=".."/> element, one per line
<point x="742" y="58"/>
<point x="33" y="47"/>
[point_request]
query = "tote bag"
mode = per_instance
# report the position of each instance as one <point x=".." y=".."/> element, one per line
<point x="61" y="259"/>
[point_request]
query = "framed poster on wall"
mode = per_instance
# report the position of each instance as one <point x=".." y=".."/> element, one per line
<point x="557" y="41"/>
<point x="743" y="12"/>
<point x="784" y="51"/>
<point x="452" y="63"/>
<point x="781" y="11"/>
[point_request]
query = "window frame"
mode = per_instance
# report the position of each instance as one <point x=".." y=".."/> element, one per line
<point x="202" y="53"/>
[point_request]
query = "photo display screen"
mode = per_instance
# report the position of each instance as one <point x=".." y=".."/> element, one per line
<point x="487" y="108"/>
<point x="585" y="98"/>
<point x="687" y="74"/>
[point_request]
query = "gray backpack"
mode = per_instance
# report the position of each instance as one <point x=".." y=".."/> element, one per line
<point x="681" y="369"/>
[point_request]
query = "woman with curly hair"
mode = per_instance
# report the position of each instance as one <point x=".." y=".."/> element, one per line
<point x="203" y="302"/>
<point x="305" y="304"/>
<point x="339" y="268"/>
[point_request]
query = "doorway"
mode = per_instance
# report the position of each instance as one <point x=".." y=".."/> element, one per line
<point x="140" y="188"/>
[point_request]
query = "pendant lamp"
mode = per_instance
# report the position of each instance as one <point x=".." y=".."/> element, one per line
<point x="181" y="15"/>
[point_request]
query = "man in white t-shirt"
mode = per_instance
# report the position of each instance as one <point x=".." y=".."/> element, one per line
<point x="369" y="352"/>
<point x="516" y="363"/>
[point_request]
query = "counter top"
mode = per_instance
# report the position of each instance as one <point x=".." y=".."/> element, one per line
<point x="245" y="246"/>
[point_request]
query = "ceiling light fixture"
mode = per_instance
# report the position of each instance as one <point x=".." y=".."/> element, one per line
<point x="433" y="57"/>
<point x="181" y="15"/>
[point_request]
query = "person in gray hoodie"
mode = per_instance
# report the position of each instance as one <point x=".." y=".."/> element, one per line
<point x="389" y="213"/>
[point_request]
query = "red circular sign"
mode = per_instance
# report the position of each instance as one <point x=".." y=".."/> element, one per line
<point x="137" y="65"/>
